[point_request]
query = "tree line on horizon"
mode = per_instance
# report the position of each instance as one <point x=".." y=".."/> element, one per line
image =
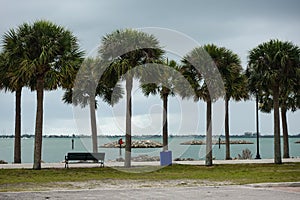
<point x="44" y="56"/>
<point x="143" y="136"/>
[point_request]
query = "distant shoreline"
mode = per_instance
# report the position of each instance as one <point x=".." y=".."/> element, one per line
<point x="143" y="136"/>
<point x="200" y="142"/>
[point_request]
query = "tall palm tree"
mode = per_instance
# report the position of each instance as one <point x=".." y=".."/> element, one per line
<point x="201" y="70"/>
<point x="235" y="84"/>
<point x="13" y="50"/>
<point x="126" y="49"/>
<point x="165" y="86"/>
<point x="276" y="63"/>
<point x="51" y="60"/>
<point x="90" y="83"/>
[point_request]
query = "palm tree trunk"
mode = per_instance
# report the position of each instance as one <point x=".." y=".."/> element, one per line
<point x="257" y="128"/>
<point x="129" y="81"/>
<point x="17" y="150"/>
<point x="286" y="153"/>
<point x="208" y="160"/>
<point x="227" y="141"/>
<point x="39" y="124"/>
<point x="93" y="123"/>
<point x="165" y="122"/>
<point x="277" y="149"/>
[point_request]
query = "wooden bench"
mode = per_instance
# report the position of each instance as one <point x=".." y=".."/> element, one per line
<point x="85" y="156"/>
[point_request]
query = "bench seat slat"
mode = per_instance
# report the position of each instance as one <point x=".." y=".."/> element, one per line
<point x="99" y="157"/>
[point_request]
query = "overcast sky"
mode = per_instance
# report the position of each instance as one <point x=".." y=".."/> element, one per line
<point x="237" y="25"/>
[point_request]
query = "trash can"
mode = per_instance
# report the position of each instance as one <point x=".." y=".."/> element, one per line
<point x="165" y="158"/>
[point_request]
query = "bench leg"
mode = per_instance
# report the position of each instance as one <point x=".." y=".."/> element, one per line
<point x="101" y="163"/>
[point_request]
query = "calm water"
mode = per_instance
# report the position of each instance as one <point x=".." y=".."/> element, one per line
<point x="54" y="149"/>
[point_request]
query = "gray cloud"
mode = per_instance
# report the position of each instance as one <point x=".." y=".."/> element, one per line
<point x="238" y="25"/>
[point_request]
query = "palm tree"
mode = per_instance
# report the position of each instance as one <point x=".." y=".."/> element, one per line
<point x="90" y="83"/>
<point x="235" y="86"/>
<point x="126" y="49"/>
<point x="50" y="60"/>
<point x="288" y="101"/>
<point x="165" y="86"/>
<point x="276" y="63"/>
<point x="255" y="89"/>
<point x="13" y="50"/>
<point x="84" y="94"/>
<point x="203" y="63"/>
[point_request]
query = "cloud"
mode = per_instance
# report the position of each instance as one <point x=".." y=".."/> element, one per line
<point x="238" y="25"/>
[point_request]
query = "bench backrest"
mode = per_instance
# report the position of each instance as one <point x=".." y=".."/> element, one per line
<point x="85" y="156"/>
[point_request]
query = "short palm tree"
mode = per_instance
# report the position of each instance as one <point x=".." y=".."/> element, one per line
<point x="124" y="50"/>
<point x="201" y="70"/>
<point x="275" y="65"/>
<point x="90" y="83"/>
<point x="235" y="83"/>
<point x="255" y="88"/>
<point x="164" y="85"/>
<point x="50" y="60"/>
<point x="288" y="101"/>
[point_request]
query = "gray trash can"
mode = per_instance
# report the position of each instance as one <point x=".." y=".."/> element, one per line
<point x="165" y="158"/>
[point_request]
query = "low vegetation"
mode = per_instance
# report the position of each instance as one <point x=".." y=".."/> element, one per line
<point x="27" y="179"/>
<point x="246" y="154"/>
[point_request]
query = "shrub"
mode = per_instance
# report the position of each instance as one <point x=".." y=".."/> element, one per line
<point x="246" y="154"/>
<point x="3" y="162"/>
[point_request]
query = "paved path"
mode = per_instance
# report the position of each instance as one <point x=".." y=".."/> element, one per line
<point x="206" y="193"/>
<point x="118" y="164"/>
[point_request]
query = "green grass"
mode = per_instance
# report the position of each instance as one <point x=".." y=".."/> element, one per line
<point x="11" y="179"/>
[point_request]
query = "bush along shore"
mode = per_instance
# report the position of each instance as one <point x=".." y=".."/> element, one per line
<point x="201" y="142"/>
<point x="135" y="144"/>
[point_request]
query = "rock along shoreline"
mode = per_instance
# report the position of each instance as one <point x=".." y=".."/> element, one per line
<point x="135" y="144"/>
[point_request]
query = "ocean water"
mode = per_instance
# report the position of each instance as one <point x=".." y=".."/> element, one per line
<point x="55" y="149"/>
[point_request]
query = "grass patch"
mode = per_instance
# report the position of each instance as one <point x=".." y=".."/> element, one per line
<point x="10" y="179"/>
